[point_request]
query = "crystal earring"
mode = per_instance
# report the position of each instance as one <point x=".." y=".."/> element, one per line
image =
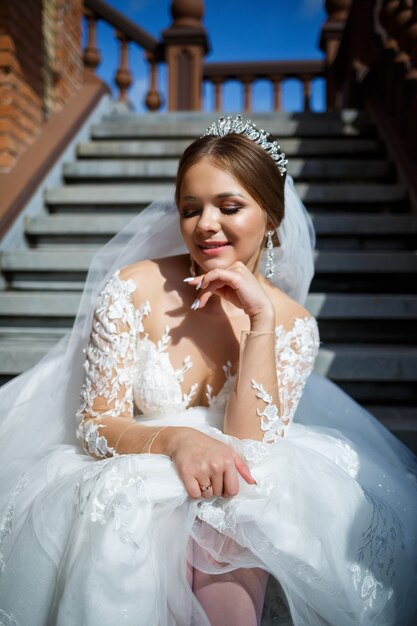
<point x="192" y="266"/>
<point x="270" y="266"/>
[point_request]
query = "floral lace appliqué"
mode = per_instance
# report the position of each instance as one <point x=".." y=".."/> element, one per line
<point x="296" y="352"/>
<point x="373" y="573"/>
<point x="110" y="358"/>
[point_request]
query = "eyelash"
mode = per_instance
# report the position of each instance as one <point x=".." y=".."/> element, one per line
<point x="186" y="214"/>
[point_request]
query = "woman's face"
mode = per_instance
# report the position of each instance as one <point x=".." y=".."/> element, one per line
<point x="220" y="222"/>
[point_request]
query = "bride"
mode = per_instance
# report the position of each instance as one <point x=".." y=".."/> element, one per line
<point x="198" y="482"/>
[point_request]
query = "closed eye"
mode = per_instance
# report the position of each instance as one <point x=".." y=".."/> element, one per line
<point x="191" y="212"/>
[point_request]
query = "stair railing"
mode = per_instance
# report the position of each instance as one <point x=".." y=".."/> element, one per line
<point x="126" y="32"/>
<point x="375" y="67"/>
<point x="182" y="47"/>
<point x="275" y="72"/>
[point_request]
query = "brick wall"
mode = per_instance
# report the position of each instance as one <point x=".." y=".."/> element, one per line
<point x="40" y="68"/>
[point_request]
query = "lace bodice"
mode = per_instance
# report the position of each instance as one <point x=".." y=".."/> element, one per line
<point x="127" y="374"/>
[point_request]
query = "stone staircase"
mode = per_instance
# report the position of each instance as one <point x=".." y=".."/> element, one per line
<point x="364" y="294"/>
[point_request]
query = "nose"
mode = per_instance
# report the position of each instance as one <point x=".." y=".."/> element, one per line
<point x="209" y="220"/>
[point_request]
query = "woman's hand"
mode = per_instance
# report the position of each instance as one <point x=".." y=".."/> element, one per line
<point x="201" y="459"/>
<point x="236" y="284"/>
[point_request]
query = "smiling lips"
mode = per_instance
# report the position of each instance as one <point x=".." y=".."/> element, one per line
<point x="213" y="247"/>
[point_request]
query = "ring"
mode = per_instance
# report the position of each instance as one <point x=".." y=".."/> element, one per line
<point x="205" y="487"/>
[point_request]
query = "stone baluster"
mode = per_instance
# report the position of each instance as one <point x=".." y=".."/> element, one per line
<point x="386" y="17"/>
<point x="306" y="80"/>
<point x="402" y="16"/>
<point x="410" y="42"/>
<point x="401" y="62"/>
<point x="338" y="10"/>
<point x="123" y="77"/>
<point x="247" y="92"/>
<point x="411" y="82"/>
<point x="185" y="46"/>
<point x="276" y="87"/>
<point x="331" y="36"/>
<point x="153" y="99"/>
<point x="218" y="87"/>
<point x="91" y="55"/>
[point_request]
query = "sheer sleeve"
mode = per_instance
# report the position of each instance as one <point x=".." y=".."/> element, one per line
<point x="106" y="424"/>
<point x="273" y="369"/>
<point x="295" y="353"/>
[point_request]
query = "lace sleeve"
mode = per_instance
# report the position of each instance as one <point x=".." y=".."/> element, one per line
<point x="106" y="396"/>
<point x="295" y="353"/>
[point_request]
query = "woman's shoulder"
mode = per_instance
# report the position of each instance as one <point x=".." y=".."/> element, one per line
<point x="288" y="311"/>
<point x="151" y="275"/>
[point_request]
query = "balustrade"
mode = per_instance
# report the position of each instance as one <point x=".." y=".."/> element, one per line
<point x="376" y="68"/>
<point x="275" y="72"/>
<point x="126" y="33"/>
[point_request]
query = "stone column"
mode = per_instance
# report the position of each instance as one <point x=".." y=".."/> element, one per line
<point x="185" y="44"/>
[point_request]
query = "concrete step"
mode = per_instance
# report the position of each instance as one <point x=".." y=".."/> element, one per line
<point x="342" y="318"/>
<point x="50" y="228"/>
<point x="378" y="363"/>
<point x="364" y="272"/>
<point x="338" y="362"/>
<point x="371" y="307"/>
<point x="162" y="169"/>
<point x="192" y="126"/>
<point x="351" y="116"/>
<point x="34" y="305"/>
<point x="369" y="224"/>
<point x="323" y="306"/>
<point x="173" y="148"/>
<point x="134" y="195"/>
<point x="68" y="259"/>
<point x="366" y="262"/>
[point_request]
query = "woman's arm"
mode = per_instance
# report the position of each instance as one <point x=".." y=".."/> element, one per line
<point x="268" y="388"/>
<point x="106" y="423"/>
<point x="272" y="369"/>
<point x="256" y="363"/>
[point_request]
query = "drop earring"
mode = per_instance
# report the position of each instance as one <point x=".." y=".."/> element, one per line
<point x="270" y="265"/>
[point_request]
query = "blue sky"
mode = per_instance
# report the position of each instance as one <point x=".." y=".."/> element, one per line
<point x="238" y="30"/>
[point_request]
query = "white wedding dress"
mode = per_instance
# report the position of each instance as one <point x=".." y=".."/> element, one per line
<point x="333" y="515"/>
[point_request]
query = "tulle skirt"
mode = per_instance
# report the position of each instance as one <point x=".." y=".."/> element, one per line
<point x="333" y="518"/>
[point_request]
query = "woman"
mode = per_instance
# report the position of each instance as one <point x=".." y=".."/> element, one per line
<point x="197" y="483"/>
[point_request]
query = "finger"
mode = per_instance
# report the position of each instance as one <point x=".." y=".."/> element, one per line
<point x="192" y="487"/>
<point x="194" y="281"/>
<point x="226" y="276"/>
<point x="213" y="288"/>
<point x="244" y="470"/>
<point x="230" y="482"/>
<point x="205" y="493"/>
<point x="205" y="297"/>
<point x="217" y="484"/>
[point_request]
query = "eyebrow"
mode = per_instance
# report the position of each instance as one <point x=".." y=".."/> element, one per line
<point x="225" y="194"/>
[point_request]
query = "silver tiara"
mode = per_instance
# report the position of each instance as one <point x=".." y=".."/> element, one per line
<point x="227" y="125"/>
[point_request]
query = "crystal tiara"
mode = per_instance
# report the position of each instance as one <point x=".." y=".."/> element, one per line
<point x="228" y="125"/>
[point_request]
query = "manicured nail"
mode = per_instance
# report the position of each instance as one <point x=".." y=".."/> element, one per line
<point x="188" y="280"/>
<point x="195" y="304"/>
<point x="198" y="285"/>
